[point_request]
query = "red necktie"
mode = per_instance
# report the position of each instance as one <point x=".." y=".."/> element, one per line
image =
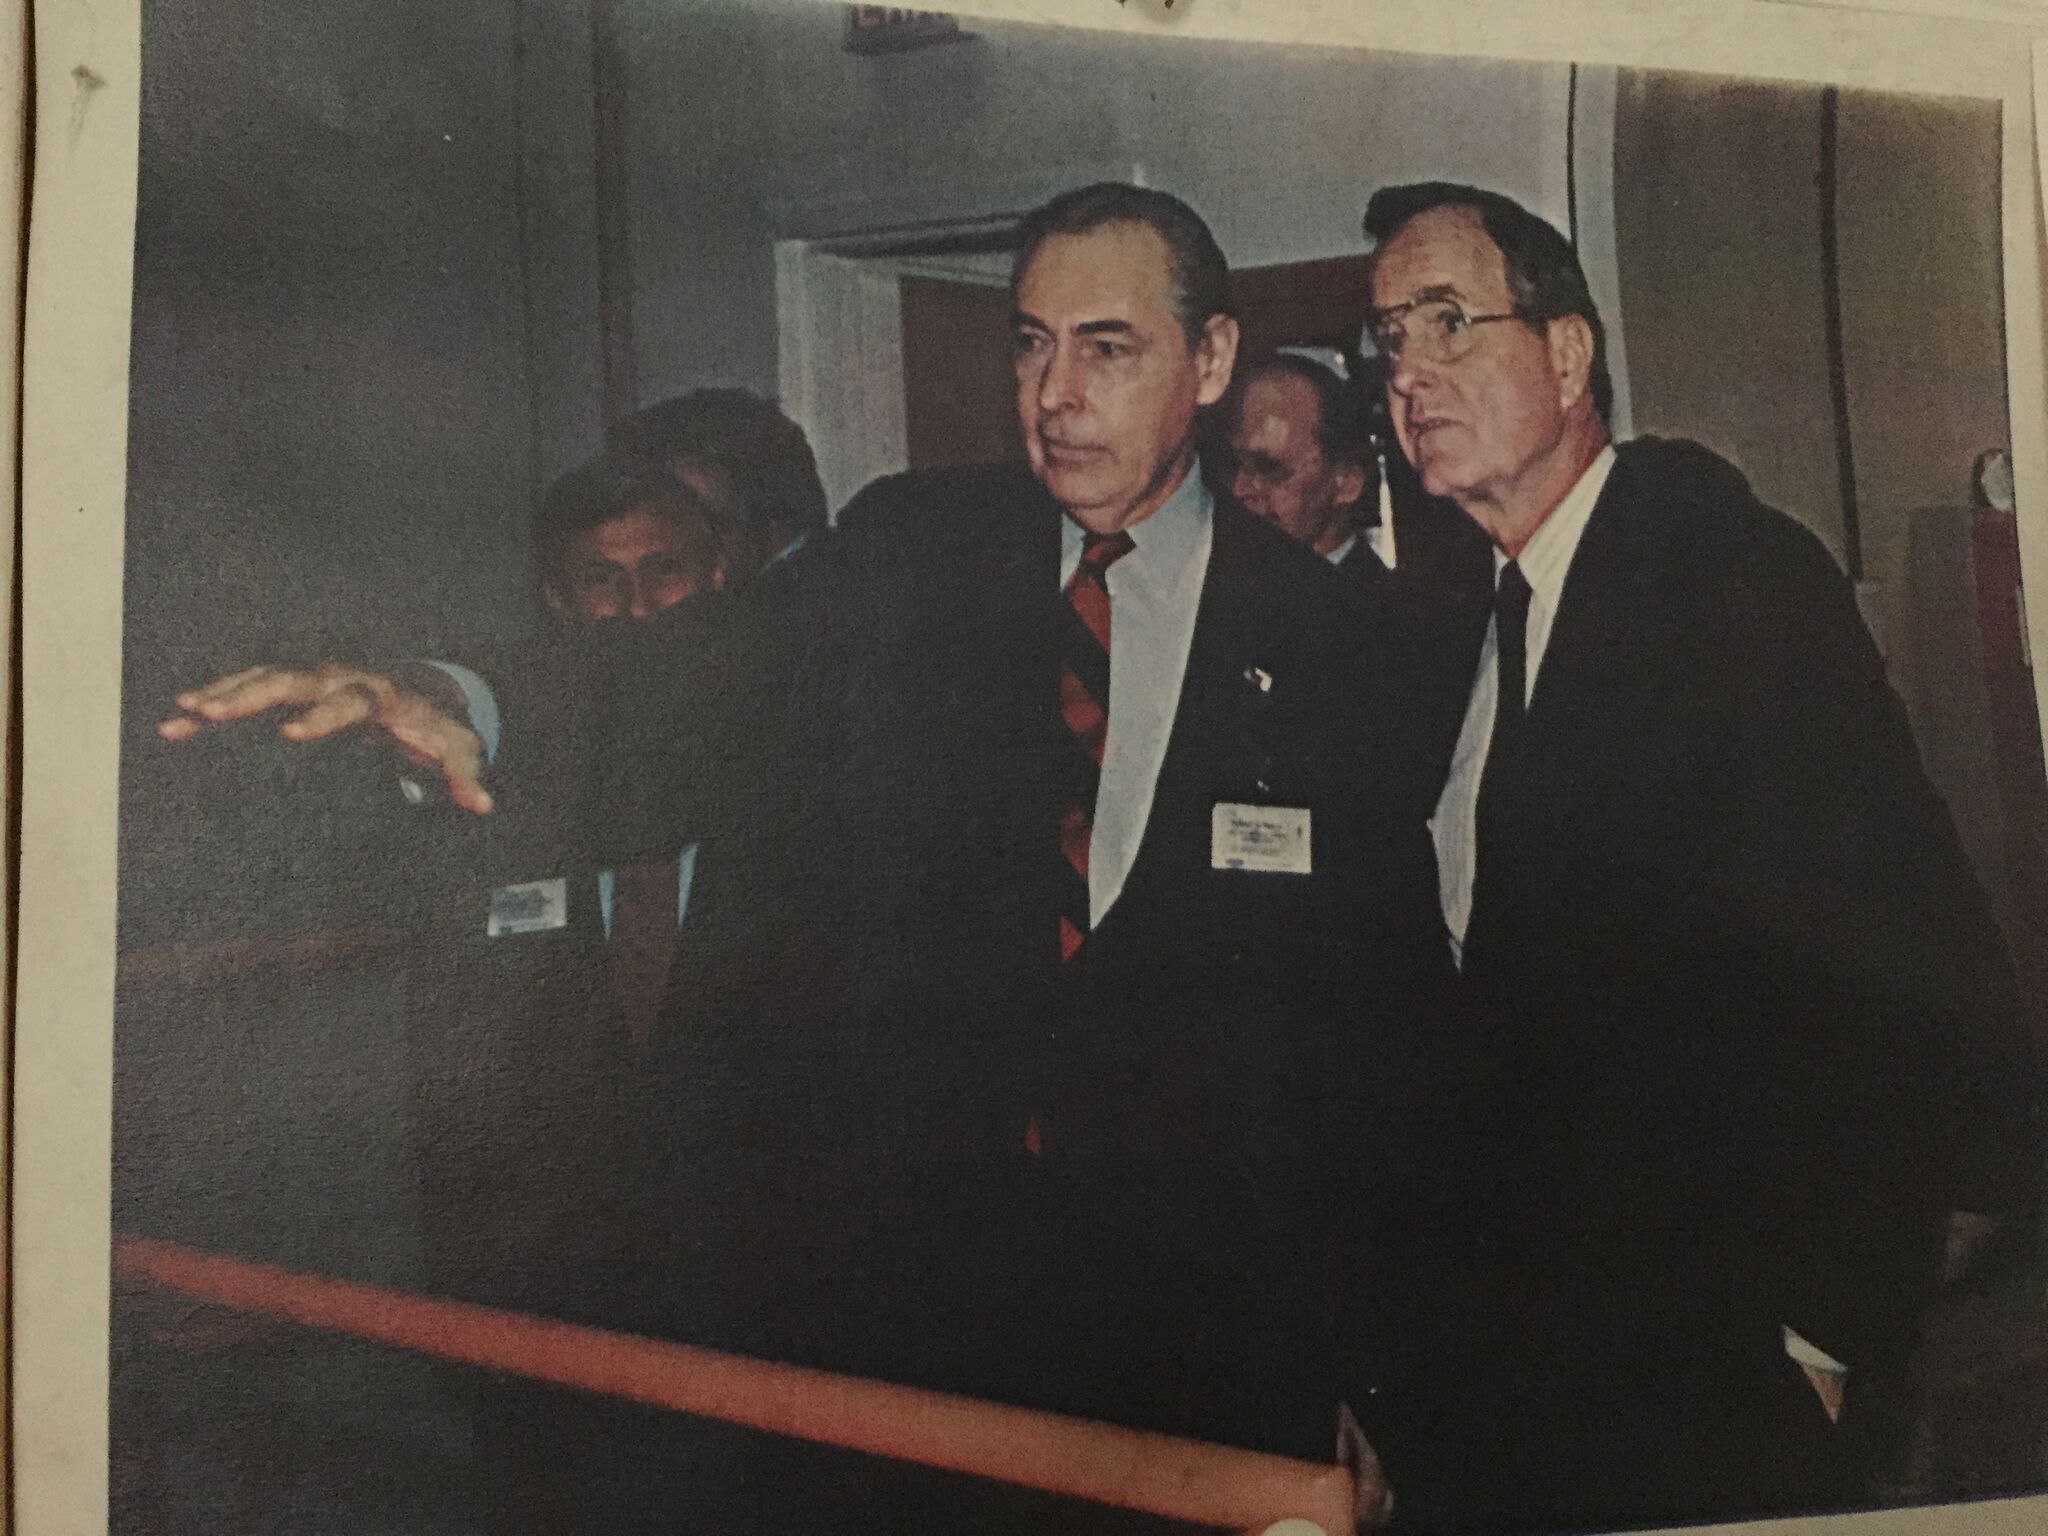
<point x="1084" y="707"/>
<point x="643" y="942"/>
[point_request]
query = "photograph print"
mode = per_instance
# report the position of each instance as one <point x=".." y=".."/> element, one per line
<point x="904" y="772"/>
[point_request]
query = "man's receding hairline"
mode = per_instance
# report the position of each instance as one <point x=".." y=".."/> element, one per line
<point x="1169" y="296"/>
<point x="1119" y="222"/>
<point x="1475" y="216"/>
<point x="1269" y="370"/>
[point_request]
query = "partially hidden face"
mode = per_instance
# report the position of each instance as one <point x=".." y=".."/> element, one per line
<point x="1107" y="381"/>
<point x="1482" y="428"/>
<point x="635" y="566"/>
<point x="1283" y="474"/>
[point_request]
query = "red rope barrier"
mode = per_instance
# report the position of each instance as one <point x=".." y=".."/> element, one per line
<point x="1186" y="1480"/>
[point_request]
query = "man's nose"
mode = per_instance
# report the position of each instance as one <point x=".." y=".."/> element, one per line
<point x="640" y="602"/>
<point x="1060" y="385"/>
<point x="1245" y="487"/>
<point x="1408" y="371"/>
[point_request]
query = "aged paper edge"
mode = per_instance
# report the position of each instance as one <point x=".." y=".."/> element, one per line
<point x="14" y="101"/>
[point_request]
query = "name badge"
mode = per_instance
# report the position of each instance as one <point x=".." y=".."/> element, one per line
<point x="1270" y="839"/>
<point x="534" y="907"/>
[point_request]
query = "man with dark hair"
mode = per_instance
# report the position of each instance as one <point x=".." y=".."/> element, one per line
<point x="1106" y="731"/>
<point x="750" y="463"/>
<point x="1071" y="811"/>
<point x="1544" y="279"/>
<point x="612" y="542"/>
<point x="1199" y="276"/>
<point x="1738" y="1030"/>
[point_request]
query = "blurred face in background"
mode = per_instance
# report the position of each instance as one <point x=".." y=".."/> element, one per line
<point x="635" y="566"/>
<point x="1283" y="475"/>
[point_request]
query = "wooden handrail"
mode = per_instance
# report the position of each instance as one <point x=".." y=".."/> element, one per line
<point x="1186" y="1480"/>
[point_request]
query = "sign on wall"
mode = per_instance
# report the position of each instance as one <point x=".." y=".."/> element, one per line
<point x="892" y="29"/>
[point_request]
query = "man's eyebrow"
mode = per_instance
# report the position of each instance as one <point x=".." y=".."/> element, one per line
<point x="1105" y="328"/>
<point x="1434" y="293"/>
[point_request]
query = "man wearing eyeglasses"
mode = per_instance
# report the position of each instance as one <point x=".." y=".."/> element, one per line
<point x="1302" y="462"/>
<point x="1738" y="1030"/>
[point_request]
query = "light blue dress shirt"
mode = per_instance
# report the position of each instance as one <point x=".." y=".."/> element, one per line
<point x="1154" y="592"/>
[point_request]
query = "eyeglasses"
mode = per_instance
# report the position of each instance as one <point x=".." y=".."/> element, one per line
<point x="1438" y="330"/>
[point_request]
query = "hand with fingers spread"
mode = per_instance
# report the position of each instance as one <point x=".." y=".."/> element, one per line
<point x="335" y="697"/>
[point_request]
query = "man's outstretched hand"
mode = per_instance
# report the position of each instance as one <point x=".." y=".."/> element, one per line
<point x="325" y="699"/>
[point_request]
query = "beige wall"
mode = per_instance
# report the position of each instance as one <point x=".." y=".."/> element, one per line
<point x="1717" y="214"/>
<point x="1717" y="237"/>
<point x="1923" y="327"/>
<point x="748" y="121"/>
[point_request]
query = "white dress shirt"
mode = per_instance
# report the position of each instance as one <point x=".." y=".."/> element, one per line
<point x="1376" y="539"/>
<point x="1545" y="560"/>
<point x="1154" y="591"/>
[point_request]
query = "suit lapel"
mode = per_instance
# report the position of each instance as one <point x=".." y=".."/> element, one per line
<point x="1610" y="673"/>
<point x="1610" y="633"/>
<point x="1365" y="567"/>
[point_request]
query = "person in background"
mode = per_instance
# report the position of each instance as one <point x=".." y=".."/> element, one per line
<point x="1303" y="463"/>
<point x="616" y="541"/>
<point x="1302" y="439"/>
<point x="750" y="463"/>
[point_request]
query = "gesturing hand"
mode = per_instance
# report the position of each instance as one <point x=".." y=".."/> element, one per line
<point x="334" y="697"/>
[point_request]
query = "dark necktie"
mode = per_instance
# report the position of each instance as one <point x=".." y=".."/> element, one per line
<point x="1511" y="646"/>
<point x="1510" y="707"/>
<point x="1084" y="707"/>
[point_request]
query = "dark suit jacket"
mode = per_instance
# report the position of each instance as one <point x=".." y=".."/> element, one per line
<point x="520" y="1051"/>
<point x="1740" y="1027"/>
<point x="1433" y="606"/>
<point x="869" y="1008"/>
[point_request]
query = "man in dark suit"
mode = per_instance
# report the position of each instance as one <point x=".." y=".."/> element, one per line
<point x="1069" y="989"/>
<point x="1738" y="1029"/>
<point x="1064" y="896"/>
<point x="548" y="967"/>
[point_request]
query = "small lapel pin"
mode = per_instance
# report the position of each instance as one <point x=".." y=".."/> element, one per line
<point x="1259" y="678"/>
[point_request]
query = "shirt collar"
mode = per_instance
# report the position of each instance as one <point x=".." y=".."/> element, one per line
<point x="1163" y="546"/>
<point x="1336" y="556"/>
<point x="1547" y="556"/>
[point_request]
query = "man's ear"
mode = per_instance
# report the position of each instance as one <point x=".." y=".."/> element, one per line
<point x="1350" y="483"/>
<point x="718" y="575"/>
<point x="1215" y="357"/>
<point x="1571" y="357"/>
